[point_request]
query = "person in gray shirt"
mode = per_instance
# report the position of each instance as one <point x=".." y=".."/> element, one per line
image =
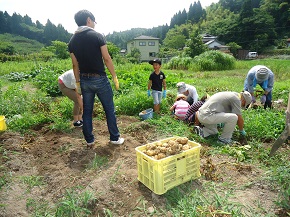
<point x="223" y="107"/>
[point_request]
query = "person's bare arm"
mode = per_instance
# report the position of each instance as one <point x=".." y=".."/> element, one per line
<point x="109" y="63"/>
<point x="149" y="84"/>
<point x="240" y="122"/>
<point x="77" y="77"/>
<point x="108" y="60"/>
<point x="164" y="84"/>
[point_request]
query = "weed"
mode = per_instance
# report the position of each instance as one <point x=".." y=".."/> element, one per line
<point x="97" y="162"/>
<point x="75" y="203"/>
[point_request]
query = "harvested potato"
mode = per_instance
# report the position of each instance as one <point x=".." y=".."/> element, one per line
<point x="159" y="150"/>
<point x="183" y="140"/>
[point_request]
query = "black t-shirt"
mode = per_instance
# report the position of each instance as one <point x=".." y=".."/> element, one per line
<point x="86" y="46"/>
<point x="157" y="80"/>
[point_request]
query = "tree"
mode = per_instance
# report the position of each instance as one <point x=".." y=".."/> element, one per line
<point x="134" y="56"/>
<point x="59" y="49"/>
<point x="234" y="47"/>
<point x="113" y="49"/>
<point x="195" y="12"/>
<point x="195" y="45"/>
<point x="174" y="39"/>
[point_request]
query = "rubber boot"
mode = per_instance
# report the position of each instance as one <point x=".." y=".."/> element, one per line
<point x="268" y="104"/>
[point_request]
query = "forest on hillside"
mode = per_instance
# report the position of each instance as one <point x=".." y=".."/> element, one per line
<point x="252" y="24"/>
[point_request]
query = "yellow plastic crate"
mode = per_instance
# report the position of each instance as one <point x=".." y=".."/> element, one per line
<point x="161" y="175"/>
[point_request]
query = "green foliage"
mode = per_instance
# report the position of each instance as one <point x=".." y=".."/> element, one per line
<point x="75" y="203"/>
<point x="134" y="56"/>
<point x="113" y="50"/>
<point x="195" y="45"/>
<point x="133" y="102"/>
<point x="14" y="100"/>
<point x="46" y="79"/>
<point x="174" y="39"/>
<point x="7" y="48"/>
<point x="17" y="76"/>
<point x="32" y="181"/>
<point x="98" y="162"/>
<point x="264" y="125"/>
<point x="197" y="203"/>
<point x="214" y="60"/>
<point x="178" y="62"/>
<point x="18" y="44"/>
<point x="234" y="47"/>
<point x="59" y="49"/>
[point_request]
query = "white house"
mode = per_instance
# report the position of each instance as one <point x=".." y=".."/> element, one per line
<point x="148" y="46"/>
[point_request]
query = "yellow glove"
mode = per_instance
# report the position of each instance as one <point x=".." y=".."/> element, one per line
<point x="78" y="88"/>
<point x="115" y="79"/>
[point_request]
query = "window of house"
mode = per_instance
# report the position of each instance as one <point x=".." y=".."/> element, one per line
<point x="152" y="54"/>
<point x="142" y="43"/>
<point x="151" y="43"/>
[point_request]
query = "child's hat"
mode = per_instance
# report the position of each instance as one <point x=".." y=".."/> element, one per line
<point x="155" y="61"/>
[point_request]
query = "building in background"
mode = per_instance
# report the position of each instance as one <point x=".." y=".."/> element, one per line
<point x="148" y="47"/>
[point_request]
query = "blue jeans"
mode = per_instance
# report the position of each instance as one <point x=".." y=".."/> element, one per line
<point x="101" y="87"/>
<point x="157" y="97"/>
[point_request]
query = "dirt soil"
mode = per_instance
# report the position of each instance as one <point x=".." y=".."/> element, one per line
<point x="62" y="159"/>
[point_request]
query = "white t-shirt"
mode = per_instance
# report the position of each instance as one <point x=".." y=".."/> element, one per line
<point x="69" y="80"/>
<point x="192" y="92"/>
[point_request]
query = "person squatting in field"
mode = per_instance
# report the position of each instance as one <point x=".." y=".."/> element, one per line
<point x="180" y="107"/>
<point x="189" y="91"/>
<point x="190" y="116"/>
<point x="223" y="107"/>
<point x="67" y="85"/>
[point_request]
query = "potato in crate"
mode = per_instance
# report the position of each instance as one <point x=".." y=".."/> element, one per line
<point x="180" y="163"/>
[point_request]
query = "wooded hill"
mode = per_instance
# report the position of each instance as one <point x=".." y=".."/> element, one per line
<point x="252" y="24"/>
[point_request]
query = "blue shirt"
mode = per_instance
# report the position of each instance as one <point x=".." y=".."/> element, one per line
<point x="251" y="81"/>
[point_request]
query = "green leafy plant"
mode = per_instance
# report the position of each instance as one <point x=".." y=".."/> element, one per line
<point x="97" y="162"/>
<point x="75" y="203"/>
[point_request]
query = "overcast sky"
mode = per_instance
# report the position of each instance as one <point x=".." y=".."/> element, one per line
<point x="111" y="15"/>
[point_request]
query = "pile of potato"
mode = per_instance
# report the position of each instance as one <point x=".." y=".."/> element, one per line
<point x="159" y="150"/>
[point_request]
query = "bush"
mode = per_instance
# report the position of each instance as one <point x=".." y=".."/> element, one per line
<point x="214" y="60"/>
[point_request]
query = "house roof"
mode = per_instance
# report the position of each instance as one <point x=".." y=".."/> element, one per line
<point x="145" y="37"/>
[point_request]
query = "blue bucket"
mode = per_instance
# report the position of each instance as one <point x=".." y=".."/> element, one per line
<point x="146" y="114"/>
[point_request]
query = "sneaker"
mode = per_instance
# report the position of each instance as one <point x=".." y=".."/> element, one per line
<point x="120" y="141"/>
<point x="90" y="144"/>
<point x="198" y="130"/>
<point x="78" y="124"/>
<point x="224" y="141"/>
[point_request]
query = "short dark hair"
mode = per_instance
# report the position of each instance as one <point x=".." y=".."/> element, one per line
<point x="82" y="16"/>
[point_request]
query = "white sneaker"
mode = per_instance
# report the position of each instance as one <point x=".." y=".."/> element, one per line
<point x="90" y="144"/>
<point x="120" y="141"/>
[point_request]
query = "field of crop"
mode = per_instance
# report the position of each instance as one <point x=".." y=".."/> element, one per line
<point x="46" y="169"/>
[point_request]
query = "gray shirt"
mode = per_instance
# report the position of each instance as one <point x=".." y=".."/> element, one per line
<point x="227" y="102"/>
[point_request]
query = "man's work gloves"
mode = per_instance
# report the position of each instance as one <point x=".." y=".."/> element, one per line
<point x="116" y="82"/>
<point x="263" y="99"/>
<point x="78" y="89"/>
<point x="253" y="99"/>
